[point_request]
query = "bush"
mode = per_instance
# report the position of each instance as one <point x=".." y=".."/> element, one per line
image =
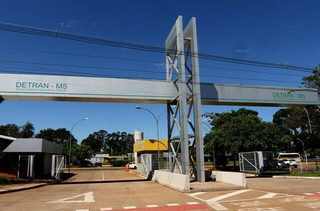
<point x="118" y="163"/>
<point x="9" y="181"/>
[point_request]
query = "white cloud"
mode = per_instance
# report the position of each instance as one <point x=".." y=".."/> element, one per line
<point x="70" y="24"/>
<point x="162" y="65"/>
<point x="242" y="51"/>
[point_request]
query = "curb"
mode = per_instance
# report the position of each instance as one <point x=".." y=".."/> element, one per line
<point x="295" y="177"/>
<point x="10" y="190"/>
<point x="217" y="189"/>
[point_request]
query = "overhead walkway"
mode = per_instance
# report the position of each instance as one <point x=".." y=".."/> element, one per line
<point x="91" y="89"/>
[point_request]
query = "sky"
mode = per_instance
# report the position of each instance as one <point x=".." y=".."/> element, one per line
<point x="283" y="31"/>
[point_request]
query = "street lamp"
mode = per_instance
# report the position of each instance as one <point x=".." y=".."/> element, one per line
<point x="157" y="122"/>
<point x="87" y="118"/>
<point x="214" y="156"/>
<point x="305" y="153"/>
<point x="308" y="119"/>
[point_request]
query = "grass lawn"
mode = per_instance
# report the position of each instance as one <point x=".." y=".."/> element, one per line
<point x="304" y="174"/>
<point x="10" y="181"/>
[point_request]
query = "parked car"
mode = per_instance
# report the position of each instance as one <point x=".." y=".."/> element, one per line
<point x="132" y="165"/>
<point x="86" y="163"/>
<point x="281" y="164"/>
<point x="293" y="163"/>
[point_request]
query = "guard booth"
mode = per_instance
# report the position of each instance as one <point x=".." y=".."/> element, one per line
<point x="32" y="158"/>
<point x="147" y="158"/>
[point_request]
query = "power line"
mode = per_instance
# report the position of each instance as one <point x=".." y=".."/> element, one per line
<point x="111" y="68"/>
<point x="147" y="61"/>
<point x="74" y="73"/>
<point x="94" y="40"/>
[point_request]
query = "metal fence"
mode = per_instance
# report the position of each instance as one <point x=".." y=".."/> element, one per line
<point x="58" y="163"/>
<point x="257" y="161"/>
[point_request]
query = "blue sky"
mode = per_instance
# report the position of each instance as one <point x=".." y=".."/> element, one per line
<point x="276" y="31"/>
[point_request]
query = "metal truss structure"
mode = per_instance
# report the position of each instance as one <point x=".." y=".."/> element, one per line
<point x="184" y="111"/>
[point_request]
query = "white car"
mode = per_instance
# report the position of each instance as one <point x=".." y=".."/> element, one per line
<point x="132" y="165"/>
<point x="290" y="162"/>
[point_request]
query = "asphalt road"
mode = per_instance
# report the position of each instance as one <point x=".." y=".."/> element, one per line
<point x="103" y="190"/>
<point x="267" y="194"/>
<point x="91" y="190"/>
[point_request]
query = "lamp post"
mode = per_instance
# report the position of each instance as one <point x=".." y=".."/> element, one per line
<point x="305" y="153"/>
<point x="214" y="156"/>
<point x="308" y="119"/>
<point x="157" y="122"/>
<point x="87" y="118"/>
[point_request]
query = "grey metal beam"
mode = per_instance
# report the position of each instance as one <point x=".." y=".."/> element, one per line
<point x="191" y="32"/>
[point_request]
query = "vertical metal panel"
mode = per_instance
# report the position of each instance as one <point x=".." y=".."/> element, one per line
<point x="191" y="33"/>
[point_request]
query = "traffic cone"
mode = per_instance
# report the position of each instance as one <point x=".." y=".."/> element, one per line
<point x="127" y="168"/>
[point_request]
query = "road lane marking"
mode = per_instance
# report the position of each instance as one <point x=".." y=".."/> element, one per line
<point x="192" y="203"/>
<point x="196" y="194"/>
<point x="216" y="206"/>
<point x="249" y="204"/>
<point x="268" y="196"/>
<point x="105" y="209"/>
<point x="152" y="205"/>
<point x="88" y="197"/>
<point x="102" y="175"/>
<point x="308" y="194"/>
<point x="313" y="205"/>
<point x="83" y="210"/>
<point x="171" y="205"/>
<point x="129" y="208"/>
<point x="218" y="198"/>
<point x="262" y="209"/>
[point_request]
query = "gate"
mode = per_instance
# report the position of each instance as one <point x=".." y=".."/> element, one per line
<point x="26" y="167"/>
<point x="257" y="161"/>
<point x="146" y="165"/>
<point x="58" y="163"/>
<point x="250" y="161"/>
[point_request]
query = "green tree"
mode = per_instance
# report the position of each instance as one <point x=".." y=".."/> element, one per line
<point x="83" y="152"/>
<point x="118" y="143"/>
<point x="27" y="130"/>
<point x="11" y="130"/>
<point x="96" y="140"/>
<point x="241" y="131"/>
<point x="59" y="136"/>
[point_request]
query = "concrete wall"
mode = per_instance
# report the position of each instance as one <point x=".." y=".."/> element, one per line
<point x="176" y="181"/>
<point x="234" y="178"/>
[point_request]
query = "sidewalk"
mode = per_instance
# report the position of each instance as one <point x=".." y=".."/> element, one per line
<point x="25" y="186"/>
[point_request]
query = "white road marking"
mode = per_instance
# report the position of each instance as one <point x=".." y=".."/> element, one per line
<point x="105" y="209"/>
<point x="216" y="206"/>
<point x="83" y="210"/>
<point x="249" y="204"/>
<point x="262" y="209"/>
<point x="268" y="196"/>
<point x="152" y="205"/>
<point x="88" y="197"/>
<point x="296" y="199"/>
<point x="171" y="205"/>
<point x="192" y="203"/>
<point x="196" y="194"/>
<point x="313" y="205"/>
<point x="226" y="195"/>
<point x="102" y="175"/>
<point x="129" y="208"/>
<point x="308" y="194"/>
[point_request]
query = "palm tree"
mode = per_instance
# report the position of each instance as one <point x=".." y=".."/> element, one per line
<point x="27" y="130"/>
